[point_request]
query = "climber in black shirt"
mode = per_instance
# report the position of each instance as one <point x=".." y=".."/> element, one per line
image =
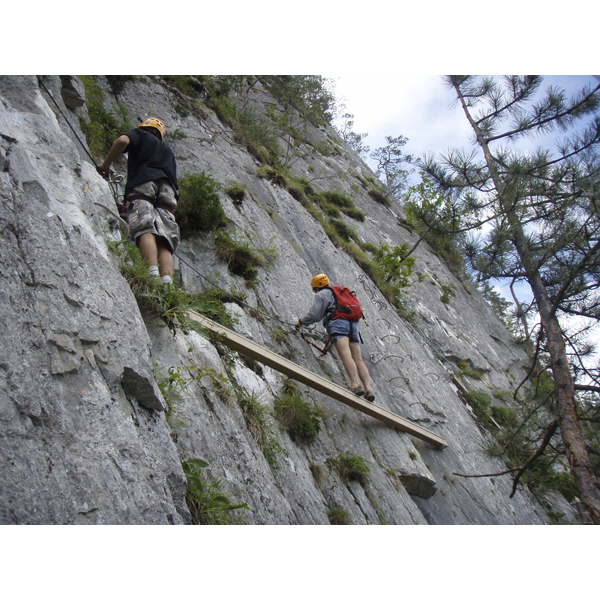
<point x="151" y="194"/>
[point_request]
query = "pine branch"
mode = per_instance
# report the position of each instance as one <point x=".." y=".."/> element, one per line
<point x="549" y="433"/>
<point x="540" y="122"/>
<point x="587" y="388"/>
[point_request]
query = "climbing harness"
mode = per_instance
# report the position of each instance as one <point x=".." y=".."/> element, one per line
<point x="323" y="351"/>
<point x="122" y="223"/>
<point x="115" y="182"/>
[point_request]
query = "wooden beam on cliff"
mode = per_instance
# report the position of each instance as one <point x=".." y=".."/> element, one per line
<point x="240" y="344"/>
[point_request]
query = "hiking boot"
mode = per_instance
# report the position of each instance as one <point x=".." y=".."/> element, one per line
<point x="370" y="396"/>
<point x="359" y="391"/>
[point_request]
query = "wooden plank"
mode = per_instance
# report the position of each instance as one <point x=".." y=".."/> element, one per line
<point x="239" y="343"/>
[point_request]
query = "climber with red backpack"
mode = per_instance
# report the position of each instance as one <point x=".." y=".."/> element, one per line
<point x="340" y="311"/>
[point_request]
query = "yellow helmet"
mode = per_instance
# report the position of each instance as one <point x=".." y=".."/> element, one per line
<point x="152" y="122"/>
<point x="320" y="281"/>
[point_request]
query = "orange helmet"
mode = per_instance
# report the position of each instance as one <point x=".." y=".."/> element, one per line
<point x="320" y="281"/>
<point x="152" y="122"/>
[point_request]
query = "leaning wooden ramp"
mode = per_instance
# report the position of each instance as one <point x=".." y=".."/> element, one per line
<point x="239" y="343"/>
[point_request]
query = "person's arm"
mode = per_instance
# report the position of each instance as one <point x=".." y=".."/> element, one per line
<point x="118" y="147"/>
<point x="317" y="311"/>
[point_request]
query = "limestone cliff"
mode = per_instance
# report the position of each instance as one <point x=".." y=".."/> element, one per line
<point x="84" y="437"/>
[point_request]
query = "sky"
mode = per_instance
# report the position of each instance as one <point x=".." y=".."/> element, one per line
<point x="421" y="108"/>
<point x="417" y="106"/>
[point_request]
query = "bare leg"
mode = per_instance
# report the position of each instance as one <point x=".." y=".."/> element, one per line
<point x="363" y="372"/>
<point x="148" y="249"/>
<point x="342" y="345"/>
<point x="166" y="264"/>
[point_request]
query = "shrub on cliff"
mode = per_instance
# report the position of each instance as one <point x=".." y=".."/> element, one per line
<point x="298" y="417"/>
<point x="199" y="208"/>
<point x="102" y="127"/>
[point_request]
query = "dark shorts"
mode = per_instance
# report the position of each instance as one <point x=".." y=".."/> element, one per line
<point x="143" y="217"/>
<point x="342" y="328"/>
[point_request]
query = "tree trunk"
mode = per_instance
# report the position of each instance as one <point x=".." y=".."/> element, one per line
<point x="585" y="478"/>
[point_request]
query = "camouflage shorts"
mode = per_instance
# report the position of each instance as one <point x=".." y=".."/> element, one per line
<point x="143" y="217"/>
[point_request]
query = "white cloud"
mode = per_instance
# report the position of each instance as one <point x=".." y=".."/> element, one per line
<point x="417" y="106"/>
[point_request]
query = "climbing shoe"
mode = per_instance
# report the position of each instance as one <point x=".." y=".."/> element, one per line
<point x="370" y="396"/>
<point x="359" y="391"/>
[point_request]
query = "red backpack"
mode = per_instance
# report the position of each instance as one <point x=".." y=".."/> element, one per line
<point x="348" y="307"/>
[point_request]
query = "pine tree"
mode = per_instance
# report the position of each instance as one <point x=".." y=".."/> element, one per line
<point x="542" y="215"/>
<point x="390" y="162"/>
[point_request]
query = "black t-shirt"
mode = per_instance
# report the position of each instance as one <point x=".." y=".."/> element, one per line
<point x="148" y="159"/>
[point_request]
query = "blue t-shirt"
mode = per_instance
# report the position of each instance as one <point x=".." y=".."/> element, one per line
<point x="148" y="159"/>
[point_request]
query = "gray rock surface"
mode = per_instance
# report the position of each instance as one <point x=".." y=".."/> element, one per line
<point x="83" y="433"/>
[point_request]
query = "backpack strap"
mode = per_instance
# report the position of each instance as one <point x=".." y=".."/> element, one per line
<point x="331" y="309"/>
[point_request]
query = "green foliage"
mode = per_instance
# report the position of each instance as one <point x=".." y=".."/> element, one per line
<point x="302" y="99"/>
<point x="521" y="430"/>
<point x="298" y="188"/>
<point x="350" y="467"/>
<point x="318" y="472"/>
<point x="565" y="484"/>
<point x="380" y="197"/>
<point x="355" y="214"/>
<point x="279" y="334"/>
<point x="258" y="135"/>
<point x="207" y="503"/>
<point x="169" y="301"/>
<point x="395" y="264"/>
<point x="174" y="388"/>
<point x="278" y="176"/>
<point x="189" y="85"/>
<point x="539" y="208"/>
<point x="211" y="303"/>
<point x="308" y="94"/>
<point x="472" y="373"/>
<point x="434" y="216"/>
<point x="236" y="192"/>
<point x="103" y="127"/>
<point x="332" y="202"/>
<point x="300" y="419"/>
<point x="505" y="416"/>
<point x="339" y="516"/>
<point x="390" y="161"/>
<point x="261" y="425"/>
<point x="337" y="198"/>
<point x="480" y="402"/>
<point x="199" y="207"/>
<point x="449" y="292"/>
<point x="353" y="139"/>
<point x="341" y="230"/>
<point x="241" y="259"/>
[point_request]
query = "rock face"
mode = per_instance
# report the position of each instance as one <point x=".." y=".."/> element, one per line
<point x="84" y="436"/>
